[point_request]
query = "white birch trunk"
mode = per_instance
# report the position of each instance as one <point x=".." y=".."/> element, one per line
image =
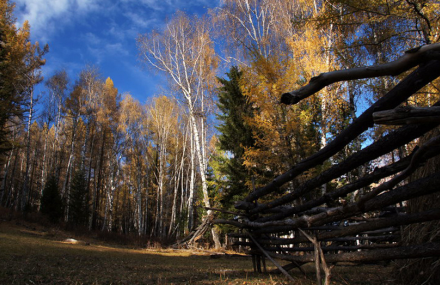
<point x="191" y="187"/>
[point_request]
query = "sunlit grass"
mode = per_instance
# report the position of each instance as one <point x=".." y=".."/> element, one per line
<point x="38" y="257"/>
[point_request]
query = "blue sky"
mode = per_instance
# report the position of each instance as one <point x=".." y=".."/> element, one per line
<point x="102" y="33"/>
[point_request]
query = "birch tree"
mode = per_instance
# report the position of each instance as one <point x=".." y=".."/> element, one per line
<point x="185" y="52"/>
<point x="163" y="117"/>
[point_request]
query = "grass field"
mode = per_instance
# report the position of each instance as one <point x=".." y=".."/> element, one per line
<point x="32" y="254"/>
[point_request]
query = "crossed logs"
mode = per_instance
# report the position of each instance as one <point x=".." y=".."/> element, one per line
<point x="358" y="228"/>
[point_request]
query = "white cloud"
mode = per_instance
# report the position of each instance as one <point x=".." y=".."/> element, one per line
<point x="46" y="16"/>
<point x="116" y="49"/>
<point x="84" y="5"/>
<point x="92" y="39"/>
<point x="140" y="21"/>
<point x="156" y="5"/>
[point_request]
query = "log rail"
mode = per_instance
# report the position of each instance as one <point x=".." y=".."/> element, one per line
<point x="368" y="228"/>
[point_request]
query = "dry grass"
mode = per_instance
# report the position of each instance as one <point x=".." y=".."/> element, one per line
<point x="32" y="255"/>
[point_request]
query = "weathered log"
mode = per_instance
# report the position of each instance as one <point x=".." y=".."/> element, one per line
<point x="415" y="162"/>
<point x="375" y="176"/>
<point x="414" y="251"/>
<point x="400" y="220"/>
<point x="235" y="235"/>
<point x="281" y="241"/>
<point x="407" y="115"/>
<point x="380" y="231"/>
<point x="332" y="248"/>
<point x="409" y="60"/>
<point x="280" y="268"/>
<point x="369" y="238"/>
<point x="382" y="146"/>
<point x="387" y="143"/>
<point x="320" y="261"/>
<point x="419" y="187"/>
<point x="289" y="267"/>
<point x="414" y="189"/>
<point x="195" y="234"/>
<point x="407" y="87"/>
<point x="230" y="222"/>
<point x="224" y="211"/>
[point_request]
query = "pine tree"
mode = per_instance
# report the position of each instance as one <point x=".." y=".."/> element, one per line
<point x="235" y="136"/>
<point x="78" y="202"/>
<point x="51" y="202"/>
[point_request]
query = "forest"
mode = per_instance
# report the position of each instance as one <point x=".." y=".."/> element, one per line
<point x="87" y="156"/>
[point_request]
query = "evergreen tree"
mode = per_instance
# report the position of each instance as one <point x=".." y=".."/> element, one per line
<point x="78" y="202"/>
<point x="235" y="136"/>
<point x="19" y="62"/>
<point x="51" y="202"/>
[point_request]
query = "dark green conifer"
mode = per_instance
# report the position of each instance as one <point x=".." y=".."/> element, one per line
<point x="78" y="202"/>
<point x="51" y="202"/>
<point x="235" y="136"/>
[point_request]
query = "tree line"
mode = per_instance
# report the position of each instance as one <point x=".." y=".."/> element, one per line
<point x="102" y="160"/>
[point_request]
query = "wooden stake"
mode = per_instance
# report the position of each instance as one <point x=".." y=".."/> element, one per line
<point x="271" y="259"/>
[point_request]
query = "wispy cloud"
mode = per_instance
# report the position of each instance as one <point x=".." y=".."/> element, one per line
<point x="140" y="20"/>
<point x="101" y="32"/>
<point x="92" y="39"/>
<point x="46" y="16"/>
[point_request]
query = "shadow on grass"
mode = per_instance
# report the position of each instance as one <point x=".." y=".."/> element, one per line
<point x="31" y="258"/>
<point x="36" y="257"/>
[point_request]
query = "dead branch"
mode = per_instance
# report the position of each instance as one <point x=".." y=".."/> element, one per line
<point x="319" y="259"/>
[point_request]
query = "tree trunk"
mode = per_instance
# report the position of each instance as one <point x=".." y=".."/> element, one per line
<point x="43" y="168"/>
<point x="25" y="188"/>
<point x="5" y="175"/>
<point x="192" y="178"/>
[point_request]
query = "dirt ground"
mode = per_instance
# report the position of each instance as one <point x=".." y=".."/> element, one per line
<point x="34" y="254"/>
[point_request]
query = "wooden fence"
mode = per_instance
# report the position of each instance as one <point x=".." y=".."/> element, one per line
<point x="367" y="228"/>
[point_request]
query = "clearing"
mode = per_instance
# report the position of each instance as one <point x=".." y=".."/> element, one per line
<point x="33" y="254"/>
